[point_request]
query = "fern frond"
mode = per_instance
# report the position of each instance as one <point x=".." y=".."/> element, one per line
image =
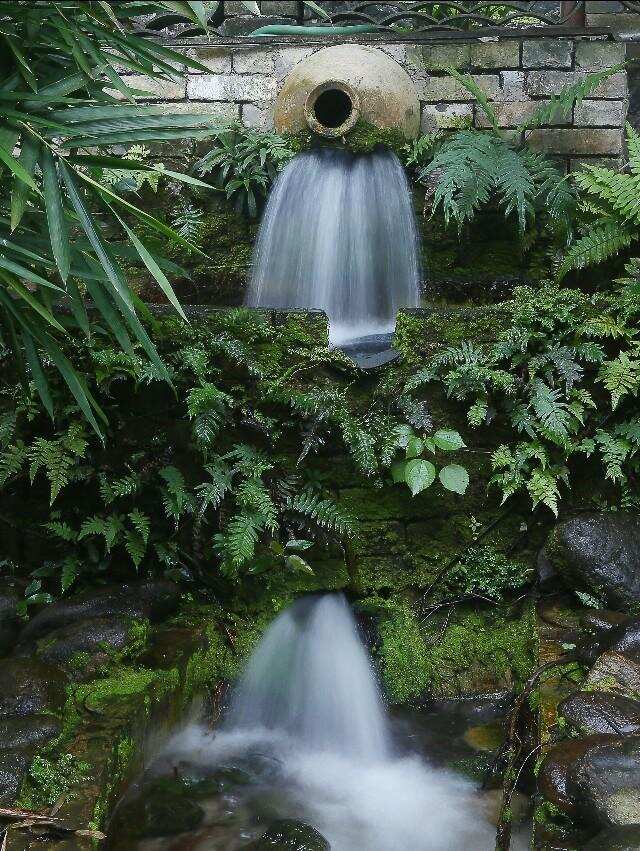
<point x="633" y="146"/>
<point x="621" y="377"/>
<point x="326" y="513"/>
<point x="595" y="247"/>
<point x="515" y="185"/>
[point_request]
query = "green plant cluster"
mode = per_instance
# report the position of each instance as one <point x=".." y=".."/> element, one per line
<point x="208" y="480"/>
<point x="564" y="379"/>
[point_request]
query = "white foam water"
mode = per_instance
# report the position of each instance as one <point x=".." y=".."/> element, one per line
<point x="339" y="235"/>
<point x="309" y="700"/>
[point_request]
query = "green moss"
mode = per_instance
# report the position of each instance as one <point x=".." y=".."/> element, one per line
<point x="365" y="138"/>
<point x="49" y="779"/>
<point x="126" y="684"/>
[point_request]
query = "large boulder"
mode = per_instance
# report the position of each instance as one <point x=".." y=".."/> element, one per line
<point x="291" y="835"/>
<point x="599" y="554"/>
<point x="163" y="809"/>
<point x="616" y="839"/>
<point x="625" y="638"/>
<point x="605" y="782"/>
<point x="591" y="712"/>
<point x="615" y="672"/>
<point x="29" y="687"/>
<point x="67" y="645"/>
<point x="29" y="731"/>
<point x="152" y="600"/>
<point x="553" y="774"/>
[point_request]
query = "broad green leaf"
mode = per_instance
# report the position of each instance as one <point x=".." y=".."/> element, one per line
<point x="414" y="447"/>
<point x="454" y="478"/>
<point x="448" y="440"/>
<point x="419" y="474"/>
<point x="298" y="563"/>
<point x="56" y="220"/>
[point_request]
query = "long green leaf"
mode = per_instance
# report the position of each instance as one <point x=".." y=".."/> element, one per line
<point x="17" y="168"/>
<point x="32" y="301"/>
<point x="56" y="220"/>
<point x="39" y="378"/>
<point x="28" y="159"/>
<point x="149" y="261"/>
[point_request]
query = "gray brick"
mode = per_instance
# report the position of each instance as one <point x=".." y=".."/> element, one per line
<point x="435" y="89"/>
<point x="545" y="83"/>
<point x="253" y="61"/>
<point x="600" y="113"/>
<point x="514" y="113"/>
<point x="231" y="87"/>
<point x="500" y="54"/>
<point x="577" y="141"/>
<point x="225" y="111"/>
<point x="594" y="55"/>
<point x="444" y="115"/>
<point x="157" y="89"/>
<point x="442" y="55"/>
<point x="216" y="59"/>
<point x="512" y="86"/>
<point x="575" y="164"/>
<point x="547" y="53"/>
<point x="258" y="115"/>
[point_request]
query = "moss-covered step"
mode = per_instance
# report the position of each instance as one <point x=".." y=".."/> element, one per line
<point x="113" y="725"/>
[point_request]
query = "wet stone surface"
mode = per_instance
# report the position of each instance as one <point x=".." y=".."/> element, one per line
<point x="65" y="645"/>
<point x="605" y="782"/>
<point x="616" y="839"/>
<point x="28" y="687"/>
<point x="153" y="600"/>
<point x="553" y="775"/>
<point x="601" y="712"/>
<point x="290" y="835"/>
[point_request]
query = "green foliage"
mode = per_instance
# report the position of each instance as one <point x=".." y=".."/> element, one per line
<point x="610" y="211"/>
<point x="213" y="483"/>
<point x="50" y="779"/>
<point x="58" y="85"/>
<point x="417" y="472"/>
<point x="244" y="164"/>
<point x="475" y="168"/>
<point x="487" y="572"/>
<point x="565" y="378"/>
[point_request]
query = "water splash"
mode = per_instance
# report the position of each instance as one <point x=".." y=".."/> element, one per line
<point x="307" y="711"/>
<point x="310" y="677"/>
<point x="339" y="235"/>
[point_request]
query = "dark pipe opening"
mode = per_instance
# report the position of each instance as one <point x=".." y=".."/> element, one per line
<point x="332" y="108"/>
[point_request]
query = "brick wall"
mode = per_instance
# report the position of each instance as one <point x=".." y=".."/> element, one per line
<point x="243" y="80"/>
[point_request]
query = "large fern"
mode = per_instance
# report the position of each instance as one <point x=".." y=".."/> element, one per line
<point x="610" y="206"/>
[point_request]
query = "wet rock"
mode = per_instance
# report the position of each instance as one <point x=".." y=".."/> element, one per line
<point x="151" y="600"/>
<point x="615" y="672"/>
<point x="14" y="764"/>
<point x="591" y="712"/>
<point x="29" y="731"/>
<point x="605" y="782"/>
<point x="485" y="737"/>
<point x="29" y="687"/>
<point x="599" y="554"/>
<point x="588" y="651"/>
<point x="553" y="774"/>
<point x="290" y="835"/>
<point x="625" y="638"/>
<point x="616" y="839"/>
<point x="9" y="620"/>
<point x="163" y="809"/>
<point x="602" y="620"/>
<point x="64" y="646"/>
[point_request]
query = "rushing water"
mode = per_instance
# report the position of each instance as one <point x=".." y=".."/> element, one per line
<point x="307" y="727"/>
<point x="339" y="235"/>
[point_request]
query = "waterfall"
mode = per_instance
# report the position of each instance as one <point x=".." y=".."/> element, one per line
<point x="311" y="678"/>
<point x="338" y="234"/>
<point x="307" y="722"/>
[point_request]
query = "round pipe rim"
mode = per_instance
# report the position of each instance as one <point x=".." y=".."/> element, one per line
<point x="321" y="129"/>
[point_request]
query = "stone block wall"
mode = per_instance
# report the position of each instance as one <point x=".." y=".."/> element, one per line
<point x="244" y="77"/>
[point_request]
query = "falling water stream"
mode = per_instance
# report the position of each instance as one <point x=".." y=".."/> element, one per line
<point x="310" y="738"/>
<point x="339" y="235"/>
